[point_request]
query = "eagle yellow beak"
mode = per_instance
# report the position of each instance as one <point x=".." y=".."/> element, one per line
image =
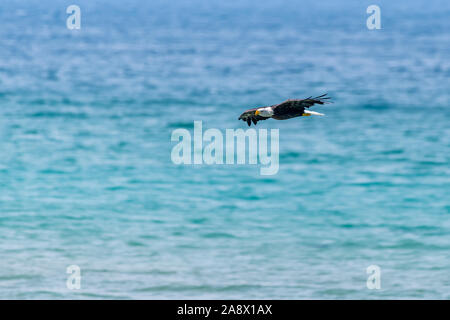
<point x="256" y="112"/>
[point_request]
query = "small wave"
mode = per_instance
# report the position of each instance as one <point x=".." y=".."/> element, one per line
<point x="53" y="114"/>
<point x="228" y="207"/>
<point x="201" y="288"/>
<point x="431" y="163"/>
<point x="116" y="188"/>
<point x="374" y="184"/>
<point x="393" y="151"/>
<point x="133" y="243"/>
<point x="42" y="294"/>
<point x="337" y="292"/>
<point x="19" y="277"/>
<point x="102" y="296"/>
<point x="376" y="106"/>
<point x="289" y="155"/>
<point x="183" y="125"/>
<point x="52" y="171"/>
<point x="198" y="220"/>
<point x="149" y="237"/>
<point x="412" y="244"/>
<point x="214" y="235"/>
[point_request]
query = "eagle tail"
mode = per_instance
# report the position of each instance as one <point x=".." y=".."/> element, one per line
<point x="322" y="99"/>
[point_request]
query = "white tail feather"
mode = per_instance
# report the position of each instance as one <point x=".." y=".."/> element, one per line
<point x="314" y="113"/>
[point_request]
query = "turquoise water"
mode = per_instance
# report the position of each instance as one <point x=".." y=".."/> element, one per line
<point x="85" y="171"/>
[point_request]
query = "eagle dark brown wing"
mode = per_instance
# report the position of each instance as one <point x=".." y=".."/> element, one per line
<point x="292" y="105"/>
<point x="249" y="117"/>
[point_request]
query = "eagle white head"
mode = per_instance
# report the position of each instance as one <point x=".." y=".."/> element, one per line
<point x="266" y="112"/>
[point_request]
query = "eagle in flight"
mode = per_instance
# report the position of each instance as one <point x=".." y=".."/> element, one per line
<point x="288" y="109"/>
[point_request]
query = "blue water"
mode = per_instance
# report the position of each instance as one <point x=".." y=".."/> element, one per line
<point x="85" y="171"/>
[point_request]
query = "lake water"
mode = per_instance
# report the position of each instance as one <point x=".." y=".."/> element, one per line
<point x="86" y="177"/>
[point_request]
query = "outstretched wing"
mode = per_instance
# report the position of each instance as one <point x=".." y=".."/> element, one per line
<point x="293" y="105"/>
<point x="249" y="117"/>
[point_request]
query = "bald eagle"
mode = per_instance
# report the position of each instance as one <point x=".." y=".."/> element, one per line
<point x="285" y="110"/>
